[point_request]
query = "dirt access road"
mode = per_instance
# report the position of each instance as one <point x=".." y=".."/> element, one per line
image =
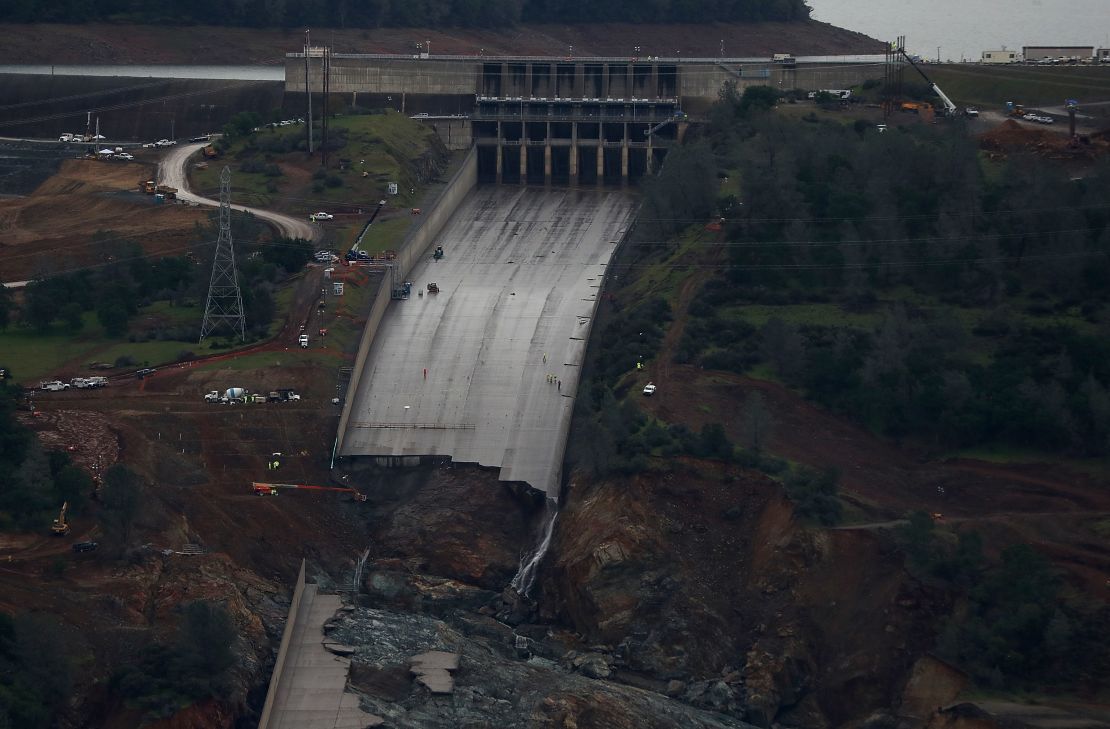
<point x="171" y="171"/>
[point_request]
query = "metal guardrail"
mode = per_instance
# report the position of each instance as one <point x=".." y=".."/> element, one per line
<point x="513" y="115"/>
<point x="414" y="426"/>
<point x="866" y="58"/>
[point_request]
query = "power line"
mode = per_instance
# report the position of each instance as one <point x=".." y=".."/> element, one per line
<point x="127" y="105"/>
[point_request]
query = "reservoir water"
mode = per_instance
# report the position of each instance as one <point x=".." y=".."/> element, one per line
<point x="962" y="29"/>
<point x="236" y="73"/>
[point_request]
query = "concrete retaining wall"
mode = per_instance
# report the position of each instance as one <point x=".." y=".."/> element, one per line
<point x="385" y="75"/>
<point x="283" y="650"/>
<point x="415" y="245"/>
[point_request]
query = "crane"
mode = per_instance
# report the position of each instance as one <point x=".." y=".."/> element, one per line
<point x="271" y="489"/>
<point x="60" y="527"/>
<point x="949" y="107"/>
<point x="353" y="253"/>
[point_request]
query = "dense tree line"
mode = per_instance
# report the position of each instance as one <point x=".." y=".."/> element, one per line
<point x="413" y="13"/>
<point x="974" y="298"/>
<point x="36" y="672"/>
<point x="37" y="481"/>
<point x="129" y="280"/>
<point x="194" y="666"/>
<point x="1018" y="625"/>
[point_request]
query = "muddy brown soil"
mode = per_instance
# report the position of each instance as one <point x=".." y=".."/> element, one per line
<point x="50" y="230"/>
<point x="110" y="43"/>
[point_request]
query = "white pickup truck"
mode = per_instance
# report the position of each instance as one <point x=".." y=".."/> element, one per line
<point x="53" y="386"/>
<point x="85" y="383"/>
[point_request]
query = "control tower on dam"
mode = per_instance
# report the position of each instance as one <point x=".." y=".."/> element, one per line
<point x="539" y="120"/>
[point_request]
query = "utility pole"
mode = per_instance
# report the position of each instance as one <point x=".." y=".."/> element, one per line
<point x="308" y="90"/>
<point x="326" y="65"/>
<point x="225" y="301"/>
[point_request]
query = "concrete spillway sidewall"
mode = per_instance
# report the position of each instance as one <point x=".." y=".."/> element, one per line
<point x="415" y="245"/>
<point x="568" y="418"/>
<point x="283" y="650"/>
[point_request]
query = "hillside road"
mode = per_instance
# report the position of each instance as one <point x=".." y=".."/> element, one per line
<point x="171" y="171"/>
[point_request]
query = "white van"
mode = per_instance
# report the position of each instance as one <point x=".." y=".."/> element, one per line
<point x="303" y="340"/>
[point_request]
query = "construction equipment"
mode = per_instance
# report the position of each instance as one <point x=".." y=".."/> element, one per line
<point x="916" y="107"/>
<point x="1013" y="109"/>
<point x="60" y="527"/>
<point x="949" y="107"/>
<point x="433" y="288"/>
<point x="439" y="253"/>
<point x="358" y="241"/>
<point x="271" y="489"/>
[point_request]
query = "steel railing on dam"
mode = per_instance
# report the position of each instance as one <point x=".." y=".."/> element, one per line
<point x="855" y="58"/>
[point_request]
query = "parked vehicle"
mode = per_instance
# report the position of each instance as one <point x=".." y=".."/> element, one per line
<point x="234" y="395"/>
<point x="321" y="216"/>
<point x="54" y="386"/>
<point x="213" y="396"/>
<point x="125" y="155"/>
<point x="85" y="546"/>
<point x="649" y="389"/>
<point x="85" y="383"/>
<point x="303" y="341"/>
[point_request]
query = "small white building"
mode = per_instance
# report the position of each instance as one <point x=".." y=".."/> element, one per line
<point x="1003" y="56"/>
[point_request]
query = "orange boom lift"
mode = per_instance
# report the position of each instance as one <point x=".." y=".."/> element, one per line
<point x="271" y="489"/>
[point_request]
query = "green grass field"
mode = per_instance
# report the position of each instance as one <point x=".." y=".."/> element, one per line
<point x="379" y="149"/>
<point x="382" y="236"/>
<point x="993" y="86"/>
<point x="33" y="356"/>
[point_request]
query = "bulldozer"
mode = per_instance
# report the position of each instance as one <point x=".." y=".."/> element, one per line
<point x="60" y="527"/>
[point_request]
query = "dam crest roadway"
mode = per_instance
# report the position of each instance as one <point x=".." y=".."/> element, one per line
<point x="485" y="371"/>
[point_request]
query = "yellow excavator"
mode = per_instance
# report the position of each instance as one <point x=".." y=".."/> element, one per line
<point x="60" y="527"/>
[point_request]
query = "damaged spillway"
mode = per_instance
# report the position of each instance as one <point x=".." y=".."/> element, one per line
<point x="485" y="371"/>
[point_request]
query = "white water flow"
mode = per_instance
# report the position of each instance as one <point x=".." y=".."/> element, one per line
<point x="530" y="563"/>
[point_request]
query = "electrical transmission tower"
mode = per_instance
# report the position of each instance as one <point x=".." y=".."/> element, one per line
<point x="225" y="302"/>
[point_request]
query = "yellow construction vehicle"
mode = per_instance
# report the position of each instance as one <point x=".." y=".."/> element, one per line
<point x="60" y="527"/>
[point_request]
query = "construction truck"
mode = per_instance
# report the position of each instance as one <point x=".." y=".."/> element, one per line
<point x="210" y="152"/>
<point x="60" y="527"/>
<point x="232" y="396"/>
<point x="949" y="107"/>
